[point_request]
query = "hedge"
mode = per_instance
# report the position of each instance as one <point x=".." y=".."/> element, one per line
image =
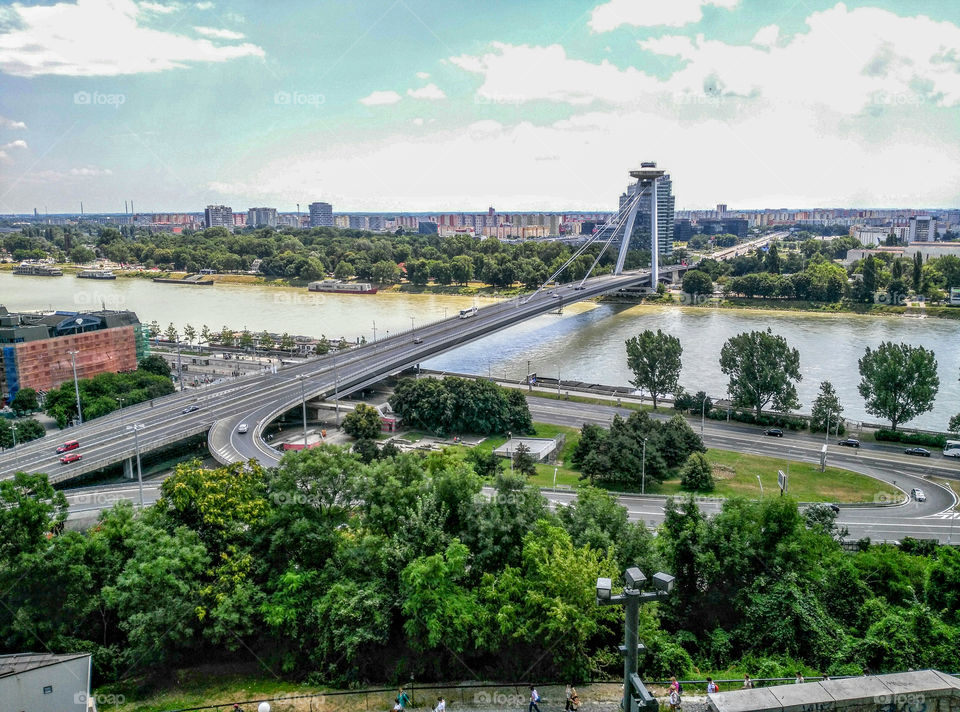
<point x="929" y="439"/>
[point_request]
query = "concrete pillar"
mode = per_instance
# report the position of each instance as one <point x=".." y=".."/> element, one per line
<point x="128" y="469"/>
<point x="654" y="238"/>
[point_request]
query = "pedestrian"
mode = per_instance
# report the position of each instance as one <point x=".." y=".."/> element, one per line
<point x="712" y="686"/>
<point x="799" y="678"/>
<point x="534" y="699"/>
<point x="403" y="699"/>
<point x="569" y="695"/>
<point x="574" y="699"/>
<point x="675" y="685"/>
<point x="441" y="705"/>
<point x="747" y="683"/>
<point x="674" y="699"/>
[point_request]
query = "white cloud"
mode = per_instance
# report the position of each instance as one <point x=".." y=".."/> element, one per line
<point x="219" y="34"/>
<point x="767" y="36"/>
<point x="87" y="172"/>
<point x="379" y="98"/>
<point x="6" y="123"/>
<point x="66" y="174"/>
<point x="159" y="8"/>
<point x="418" y="121"/>
<point x="102" y="38"/>
<point x="518" y="73"/>
<point x="651" y="13"/>
<point x="204" y="5"/>
<point x="423" y="75"/>
<point x="430" y="91"/>
<point x="7" y="147"/>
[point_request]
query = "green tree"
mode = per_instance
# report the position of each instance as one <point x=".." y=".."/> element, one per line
<point x="25" y="401"/>
<point x="29" y="508"/>
<point x="205" y="335"/>
<point x="523" y="462"/>
<point x="287" y="342"/>
<point x="772" y="262"/>
<point x="363" y="422"/>
<point x="171" y="334"/>
<point x="189" y="334"/>
<point x="82" y="254"/>
<point x="461" y="268"/>
<point x="898" y="381"/>
<point x="697" y="474"/>
<point x="826" y="408"/>
<point x="155" y="364"/>
<point x="697" y="282"/>
<point x="343" y="270"/>
<point x="246" y="340"/>
<point x="917" y="272"/>
<point x="762" y="368"/>
<point x="655" y="359"/>
<point x="954" y="425"/>
<point x="385" y="272"/>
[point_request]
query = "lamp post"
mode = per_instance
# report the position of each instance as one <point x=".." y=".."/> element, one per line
<point x="703" y="412"/>
<point x="826" y="433"/>
<point x="643" y="469"/>
<point x="76" y="385"/>
<point x="761" y="486"/>
<point x="136" y="428"/>
<point x="635" y="694"/>
<point x="303" y="399"/>
<point x="179" y="366"/>
<point x="336" y="386"/>
<point x="558" y="380"/>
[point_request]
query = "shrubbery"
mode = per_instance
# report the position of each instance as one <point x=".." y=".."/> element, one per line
<point x="896" y="436"/>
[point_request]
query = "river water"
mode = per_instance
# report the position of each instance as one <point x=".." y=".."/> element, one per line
<point x="585" y="343"/>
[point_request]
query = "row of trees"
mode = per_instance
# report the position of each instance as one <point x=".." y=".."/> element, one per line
<point x="460" y="405"/>
<point x="341" y="573"/>
<point x="898" y="382"/>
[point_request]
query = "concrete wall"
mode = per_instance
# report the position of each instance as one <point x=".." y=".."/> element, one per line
<point x="68" y="685"/>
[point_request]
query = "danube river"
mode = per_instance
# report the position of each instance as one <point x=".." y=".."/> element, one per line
<point x="586" y="343"/>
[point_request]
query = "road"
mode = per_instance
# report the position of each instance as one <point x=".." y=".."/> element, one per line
<point x="933" y="519"/>
<point x="259" y="399"/>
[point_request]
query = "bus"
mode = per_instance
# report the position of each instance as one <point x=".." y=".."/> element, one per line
<point x="467" y="313"/>
<point x="952" y="448"/>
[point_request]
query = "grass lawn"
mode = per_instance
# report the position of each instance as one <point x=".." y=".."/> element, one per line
<point x="736" y="474"/>
<point x="624" y="402"/>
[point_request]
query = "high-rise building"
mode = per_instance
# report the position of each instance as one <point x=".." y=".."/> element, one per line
<point x="321" y="214"/>
<point x="262" y="217"/>
<point x="218" y="216"/>
<point x="923" y="228"/>
<point x="640" y="239"/>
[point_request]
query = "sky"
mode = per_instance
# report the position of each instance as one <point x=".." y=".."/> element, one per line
<point x="417" y="105"/>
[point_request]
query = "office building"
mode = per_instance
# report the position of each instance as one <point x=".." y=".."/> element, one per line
<point x="321" y="214"/>
<point x="427" y="228"/>
<point x="218" y="216"/>
<point x="923" y="228"/>
<point x="262" y="217"/>
<point x="35" y="348"/>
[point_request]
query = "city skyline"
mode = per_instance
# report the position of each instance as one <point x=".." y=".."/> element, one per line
<point x="408" y="106"/>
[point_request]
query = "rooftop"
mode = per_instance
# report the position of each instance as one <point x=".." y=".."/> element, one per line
<point x="17" y="663"/>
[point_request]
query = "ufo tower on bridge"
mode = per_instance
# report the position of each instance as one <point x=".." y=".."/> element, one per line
<point x="647" y="188"/>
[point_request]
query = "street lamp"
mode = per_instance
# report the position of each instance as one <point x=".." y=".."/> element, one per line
<point x="136" y="428"/>
<point x="558" y="380"/>
<point x="76" y="385"/>
<point x="336" y="385"/>
<point x="643" y="469"/>
<point x="761" y="486"/>
<point x="635" y="693"/>
<point x="303" y="399"/>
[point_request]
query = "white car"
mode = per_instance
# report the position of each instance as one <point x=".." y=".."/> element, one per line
<point x="918" y="494"/>
<point x="242" y="428"/>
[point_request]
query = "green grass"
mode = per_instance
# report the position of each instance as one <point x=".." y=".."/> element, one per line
<point x="736" y="475"/>
<point x="624" y="403"/>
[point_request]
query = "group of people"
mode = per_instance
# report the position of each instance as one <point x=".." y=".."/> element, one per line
<point x="676" y="689"/>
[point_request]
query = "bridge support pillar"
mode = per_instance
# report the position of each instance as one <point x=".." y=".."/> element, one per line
<point x="128" y="473"/>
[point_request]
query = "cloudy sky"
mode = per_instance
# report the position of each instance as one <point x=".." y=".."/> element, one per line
<point x="457" y="105"/>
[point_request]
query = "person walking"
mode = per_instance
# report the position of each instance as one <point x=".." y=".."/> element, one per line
<point x="747" y="683"/>
<point x="711" y="686"/>
<point x="403" y="699"/>
<point x="799" y="678"/>
<point x="534" y="699"/>
<point x="574" y="699"/>
<point x="569" y="695"/>
<point x="441" y="705"/>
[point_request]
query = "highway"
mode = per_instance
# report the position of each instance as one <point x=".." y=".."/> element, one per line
<point x="259" y="399"/>
<point x="933" y="519"/>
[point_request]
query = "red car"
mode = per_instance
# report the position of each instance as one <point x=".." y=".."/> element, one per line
<point x="68" y="446"/>
<point x="70" y="457"/>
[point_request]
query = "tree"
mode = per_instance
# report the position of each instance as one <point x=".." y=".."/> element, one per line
<point x="771" y="262"/>
<point x="696" y="282"/>
<point x="826" y="408"/>
<point x="343" y="270"/>
<point x="523" y="461"/>
<point x="25" y="401"/>
<point x="762" y="368"/>
<point x="385" y="272"/>
<point x="205" y="335"/>
<point x="189" y="334"/>
<point x="461" y="269"/>
<point x="29" y="508"/>
<point x="171" y="334"/>
<point x="246" y="339"/>
<point x="697" y="474"/>
<point x="870" y="268"/>
<point x="917" y="272"/>
<point x="363" y="422"/>
<point x="898" y="382"/>
<point x="654" y="359"/>
<point x="322" y="347"/>
<point x="81" y="255"/>
<point x="954" y="424"/>
<point x="155" y="364"/>
<point x="287" y="342"/>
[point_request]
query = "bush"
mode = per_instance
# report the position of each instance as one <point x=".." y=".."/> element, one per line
<point x="929" y="439"/>
<point x="363" y="422"/>
<point x="697" y="474"/>
<point x="790" y="422"/>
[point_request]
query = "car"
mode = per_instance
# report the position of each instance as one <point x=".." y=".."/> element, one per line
<point x="70" y="457"/>
<point x="68" y="446"/>
<point x="849" y="442"/>
<point x="773" y="432"/>
<point x="578" y="289"/>
<point x="417" y="340"/>
<point x="834" y="507"/>
<point x="242" y="428"/>
<point x="918" y="494"/>
<point x="921" y="451"/>
<point x="191" y="409"/>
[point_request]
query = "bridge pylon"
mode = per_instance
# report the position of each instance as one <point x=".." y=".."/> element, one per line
<point x="647" y="177"/>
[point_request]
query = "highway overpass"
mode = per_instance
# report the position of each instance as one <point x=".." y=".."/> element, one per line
<point x="259" y="399"/>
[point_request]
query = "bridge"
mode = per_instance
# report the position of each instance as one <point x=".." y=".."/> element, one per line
<point x="258" y="400"/>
